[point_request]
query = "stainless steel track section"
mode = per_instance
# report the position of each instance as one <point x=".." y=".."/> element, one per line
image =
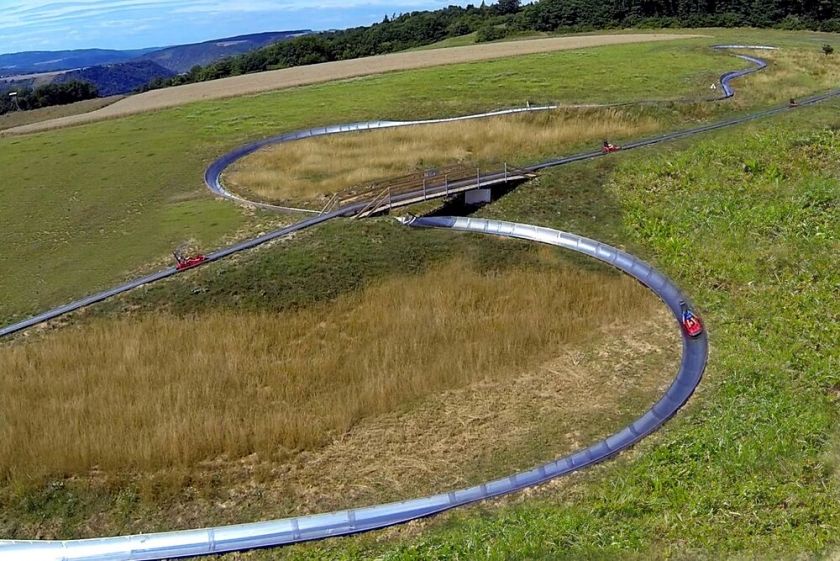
<point x="213" y="180"/>
<point x="248" y="536"/>
<point x="305" y="528"/>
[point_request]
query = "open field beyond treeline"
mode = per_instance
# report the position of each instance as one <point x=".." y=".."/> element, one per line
<point x="340" y="70"/>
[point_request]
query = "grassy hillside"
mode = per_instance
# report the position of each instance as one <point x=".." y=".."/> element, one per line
<point x="306" y="173"/>
<point x="113" y="197"/>
<point x="745" y="220"/>
<point x="97" y="201"/>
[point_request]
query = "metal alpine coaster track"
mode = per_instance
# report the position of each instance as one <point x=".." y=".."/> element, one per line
<point x="207" y="541"/>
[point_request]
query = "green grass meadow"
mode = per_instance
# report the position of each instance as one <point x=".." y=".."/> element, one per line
<point x="744" y="220"/>
<point x="750" y="470"/>
<point x="85" y="207"/>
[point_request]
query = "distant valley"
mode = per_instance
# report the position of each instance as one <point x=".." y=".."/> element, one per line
<point x="120" y="72"/>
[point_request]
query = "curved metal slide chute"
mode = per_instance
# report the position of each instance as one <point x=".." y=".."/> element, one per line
<point x="213" y="180"/>
<point x="758" y="64"/>
<point x="216" y="540"/>
<point x="213" y="173"/>
<point x="305" y="528"/>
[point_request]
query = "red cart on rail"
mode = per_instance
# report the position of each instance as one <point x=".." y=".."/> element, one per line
<point x="609" y="148"/>
<point x="691" y="323"/>
<point x="184" y="261"/>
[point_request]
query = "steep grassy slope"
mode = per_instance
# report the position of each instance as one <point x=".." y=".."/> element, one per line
<point x="745" y="220"/>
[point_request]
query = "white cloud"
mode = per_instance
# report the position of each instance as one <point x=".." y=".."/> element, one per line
<point x="72" y="13"/>
<point x="170" y="21"/>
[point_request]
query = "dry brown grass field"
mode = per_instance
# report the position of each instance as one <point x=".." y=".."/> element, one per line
<point x="796" y="72"/>
<point x="314" y="168"/>
<point x="326" y="72"/>
<point x="457" y="437"/>
<point x="158" y="391"/>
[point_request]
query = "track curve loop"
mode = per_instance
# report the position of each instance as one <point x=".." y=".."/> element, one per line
<point x="213" y="173"/>
<point x="294" y="530"/>
<point x="213" y="180"/>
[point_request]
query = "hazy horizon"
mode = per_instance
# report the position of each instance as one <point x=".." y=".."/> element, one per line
<point x="138" y="24"/>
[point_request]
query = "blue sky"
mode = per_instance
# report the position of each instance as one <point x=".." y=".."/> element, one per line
<point x="28" y="25"/>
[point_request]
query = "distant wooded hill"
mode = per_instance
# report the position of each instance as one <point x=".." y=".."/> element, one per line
<point x="116" y="79"/>
<point x="121" y="72"/>
<point x="184" y="57"/>
<point x="179" y="58"/>
<point x="35" y="62"/>
<point x="510" y="17"/>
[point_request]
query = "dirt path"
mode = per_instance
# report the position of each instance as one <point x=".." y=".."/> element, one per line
<point x="325" y="72"/>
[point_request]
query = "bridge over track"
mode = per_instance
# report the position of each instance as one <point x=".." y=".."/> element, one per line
<point x="421" y="186"/>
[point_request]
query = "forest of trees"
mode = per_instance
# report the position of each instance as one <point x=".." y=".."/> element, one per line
<point x="45" y="96"/>
<point x="510" y="17"/>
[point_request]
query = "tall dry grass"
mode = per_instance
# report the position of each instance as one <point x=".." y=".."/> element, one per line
<point x="792" y="73"/>
<point x="160" y="391"/>
<point x="317" y="167"/>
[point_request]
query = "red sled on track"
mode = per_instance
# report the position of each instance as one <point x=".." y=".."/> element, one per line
<point x="691" y="323"/>
<point x="608" y="148"/>
<point x="184" y="263"/>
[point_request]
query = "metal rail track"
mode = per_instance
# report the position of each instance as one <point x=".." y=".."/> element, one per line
<point x="305" y="528"/>
<point x="213" y="179"/>
<point x="294" y="530"/>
